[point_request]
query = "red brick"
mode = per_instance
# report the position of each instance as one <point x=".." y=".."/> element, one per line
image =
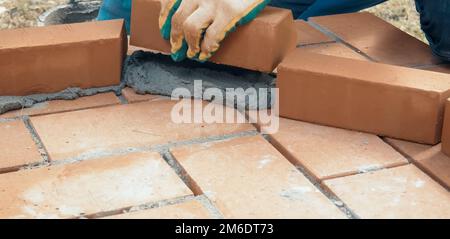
<point x="89" y="187"/>
<point x="309" y="35"/>
<point x="132" y="97"/>
<point x="248" y="178"/>
<point x="18" y="148"/>
<point x="428" y="158"/>
<point x="273" y="30"/>
<point x="82" y="133"/>
<point x="187" y="210"/>
<point x="330" y="152"/>
<point x="402" y="192"/>
<point x="387" y="100"/>
<point x="378" y="39"/>
<point x="53" y="58"/>
<point x="58" y="106"/>
<point x="334" y="49"/>
<point x="446" y="130"/>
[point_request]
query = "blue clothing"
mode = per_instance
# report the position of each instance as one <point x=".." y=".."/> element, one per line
<point x="435" y="22"/>
<point x="434" y="15"/>
<point x="116" y="9"/>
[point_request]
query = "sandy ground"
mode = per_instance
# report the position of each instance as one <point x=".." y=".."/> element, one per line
<point x="23" y="13"/>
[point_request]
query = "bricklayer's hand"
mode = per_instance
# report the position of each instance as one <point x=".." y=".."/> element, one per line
<point x="196" y="27"/>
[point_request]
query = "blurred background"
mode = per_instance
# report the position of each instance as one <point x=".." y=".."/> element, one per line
<point x="23" y="13"/>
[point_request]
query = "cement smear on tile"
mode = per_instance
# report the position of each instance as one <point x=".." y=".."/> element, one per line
<point x="8" y="103"/>
<point x="149" y="73"/>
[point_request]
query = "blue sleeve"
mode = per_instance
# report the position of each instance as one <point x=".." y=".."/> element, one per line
<point x="116" y="9"/>
<point x="435" y="22"/>
<point x="303" y="9"/>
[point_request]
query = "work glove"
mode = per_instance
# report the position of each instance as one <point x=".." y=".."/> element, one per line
<point x="197" y="27"/>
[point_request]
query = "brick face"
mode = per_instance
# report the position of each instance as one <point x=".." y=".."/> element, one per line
<point x="88" y="187"/>
<point x="378" y="39"/>
<point x="446" y="130"/>
<point x="84" y="55"/>
<point x="401" y="192"/>
<point x="58" y="106"/>
<point x="248" y="178"/>
<point x="330" y="152"/>
<point x="371" y="97"/>
<point x="88" y="132"/>
<point x="17" y="147"/>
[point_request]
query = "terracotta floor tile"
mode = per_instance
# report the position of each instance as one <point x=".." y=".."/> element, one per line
<point x="88" y="187"/>
<point x="132" y="97"/>
<point x="378" y="39"/>
<point x="307" y="34"/>
<point x="187" y="210"/>
<point x="85" y="133"/>
<point x="429" y="158"/>
<point x="331" y="152"/>
<point x="401" y="192"/>
<point x="248" y="178"/>
<point x="17" y="147"/>
<point x="407" y="148"/>
<point x="334" y="49"/>
<point x="58" y="106"/>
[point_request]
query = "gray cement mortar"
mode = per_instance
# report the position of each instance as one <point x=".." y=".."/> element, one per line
<point x="149" y="73"/>
<point x="8" y="103"/>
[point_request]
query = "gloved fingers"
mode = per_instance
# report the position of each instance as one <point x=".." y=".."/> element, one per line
<point x="177" y="40"/>
<point x="215" y="33"/>
<point x="168" y="9"/>
<point x="194" y="28"/>
<point x="225" y="23"/>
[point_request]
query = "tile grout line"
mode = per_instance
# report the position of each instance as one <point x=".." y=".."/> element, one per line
<point x="339" y="40"/>
<point x="407" y="157"/>
<point x="333" y="198"/>
<point x="419" y="166"/>
<point x="37" y="140"/>
<point x="190" y="182"/>
<point x="122" y="99"/>
<point x="139" y="208"/>
<point x="315" y="44"/>
<point x="127" y="150"/>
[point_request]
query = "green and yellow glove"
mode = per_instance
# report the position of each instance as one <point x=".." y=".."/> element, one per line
<point x="197" y="27"/>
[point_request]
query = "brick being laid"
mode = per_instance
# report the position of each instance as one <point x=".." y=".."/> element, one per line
<point x="382" y="99"/>
<point x="53" y="58"/>
<point x="259" y="45"/>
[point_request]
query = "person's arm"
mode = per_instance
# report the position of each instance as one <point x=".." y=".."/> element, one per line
<point x="197" y="27"/>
